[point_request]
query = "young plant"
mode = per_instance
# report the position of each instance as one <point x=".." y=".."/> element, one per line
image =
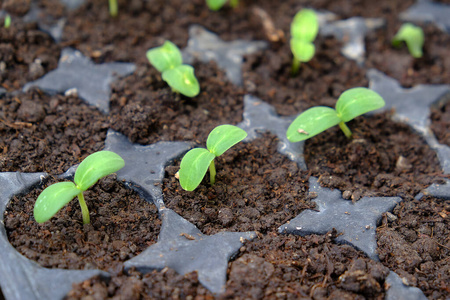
<point x="7" y="23"/>
<point x="91" y="169"/>
<point x="352" y="103"/>
<point x="413" y="36"/>
<point x="113" y="8"/>
<point x="167" y="59"/>
<point x="218" y="4"/>
<point x="196" y="162"/>
<point x="304" y="29"/>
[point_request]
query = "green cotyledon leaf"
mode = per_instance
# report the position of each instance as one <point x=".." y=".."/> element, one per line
<point x="302" y="50"/>
<point x="215" y="4"/>
<point x="193" y="167"/>
<point x="182" y="79"/>
<point x="357" y="101"/>
<point x="165" y="57"/>
<point x="224" y="137"/>
<point x="305" y="25"/>
<point x="96" y="166"/>
<point x="52" y="199"/>
<point x="312" y="122"/>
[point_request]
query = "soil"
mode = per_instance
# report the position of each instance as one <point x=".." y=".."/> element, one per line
<point x="298" y="268"/>
<point x="416" y="245"/>
<point x="257" y="188"/>
<point x="384" y="158"/>
<point x="26" y="54"/>
<point x="440" y="116"/>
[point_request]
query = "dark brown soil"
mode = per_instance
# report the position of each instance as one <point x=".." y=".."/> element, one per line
<point x="26" y="54"/>
<point x="416" y="245"/>
<point x="122" y="226"/>
<point x="293" y="267"/>
<point x="440" y="117"/>
<point x="41" y="133"/>
<point x="432" y="68"/>
<point x="384" y="158"/>
<point x="257" y="188"/>
<point x="149" y="111"/>
<point x="272" y="267"/>
<point x="164" y="284"/>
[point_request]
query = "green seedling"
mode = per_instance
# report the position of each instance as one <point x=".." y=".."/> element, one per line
<point x="180" y="77"/>
<point x="196" y="162"/>
<point x="218" y="4"/>
<point x="113" y="8"/>
<point x="414" y="38"/>
<point x="304" y="29"/>
<point x="352" y="103"/>
<point x="91" y="169"/>
<point x="7" y="23"/>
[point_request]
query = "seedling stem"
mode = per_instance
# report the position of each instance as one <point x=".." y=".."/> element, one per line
<point x="84" y="209"/>
<point x="212" y="173"/>
<point x="346" y="130"/>
<point x="295" y="66"/>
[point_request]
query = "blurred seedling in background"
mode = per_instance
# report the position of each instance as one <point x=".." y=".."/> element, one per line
<point x="414" y="38"/>
<point x="304" y="29"/>
<point x="218" y="4"/>
<point x="352" y="103"/>
<point x="180" y="77"/>
<point x="113" y="8"/>
<point x="196" y="162"/>
<point x="7" y="23"/>
<point x="91" y="169"/>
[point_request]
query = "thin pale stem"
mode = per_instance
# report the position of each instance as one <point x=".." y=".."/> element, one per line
<point x="212" y="173"/>
<point x="84" y="209"/>
<point x="234" y="3"/>
<point x="295" y="66"/>
<point x="346" y="130"/>
<point x="113" y="8"/>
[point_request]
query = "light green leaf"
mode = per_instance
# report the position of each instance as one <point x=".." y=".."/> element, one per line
<point x="305" y="25"/>
<point x="215" y="4"/>
<point x="357" y="101"/>
<point x="165" y="57"/>
<point x="52" y="199"/>
<point x="303" y="51"/>
<point x="312" y="122"/>
<point x="414" y="38"/>
<point x="193" y="167"/>
<point x="96" y="166"/>
<point x="224" y="137"/>
<point x="182" y="79"/>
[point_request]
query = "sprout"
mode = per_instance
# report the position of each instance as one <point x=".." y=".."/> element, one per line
<point x="91" y="169"/>
<point x="352" y="103"/>
<point x="167" y="59"/>
<point x="217" y="4"/>
<point x="413" y="36"/>
<point x="195" y="163"/>
<point x="113" y="8"/>
<point x="304" y="29"/>
<point x="7" y="23"/>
